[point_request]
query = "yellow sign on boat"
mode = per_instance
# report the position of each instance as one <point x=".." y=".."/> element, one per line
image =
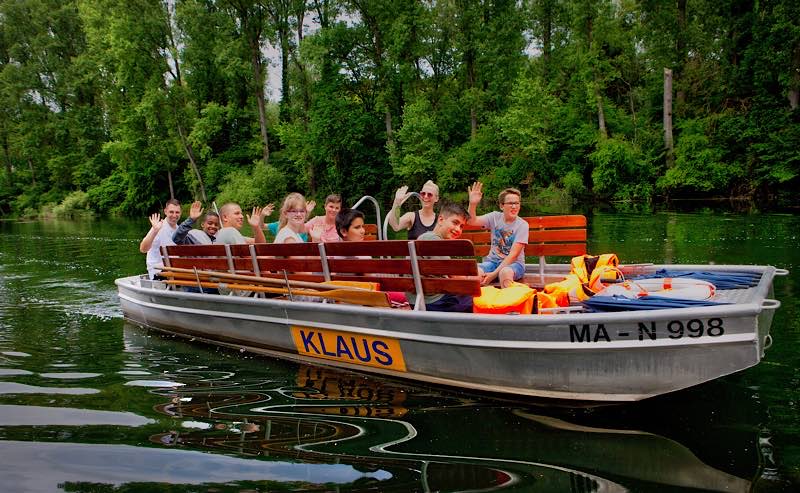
<point x="348" y="347"/>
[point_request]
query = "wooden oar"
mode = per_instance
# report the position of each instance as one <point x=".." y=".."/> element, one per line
<point x="355" y="297"/>
<point x="179" y="273"/>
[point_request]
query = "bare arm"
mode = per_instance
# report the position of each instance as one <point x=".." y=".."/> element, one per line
<point x="516" y="249"/>
<point x="396" y="221"/>
<point x="475" y="195"/>
<point x="155" y="226"/>
<point x="255" y="222"/>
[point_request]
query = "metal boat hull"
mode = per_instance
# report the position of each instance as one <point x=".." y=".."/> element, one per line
<point x="621" y="356"/>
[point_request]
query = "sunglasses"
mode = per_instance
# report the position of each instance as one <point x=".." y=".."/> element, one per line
<point x="425" y="194"/>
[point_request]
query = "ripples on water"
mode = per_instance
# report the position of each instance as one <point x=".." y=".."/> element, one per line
<point x="87" y="400"/>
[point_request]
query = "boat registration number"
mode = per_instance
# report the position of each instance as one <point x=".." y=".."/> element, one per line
<point x="380" y="352"/>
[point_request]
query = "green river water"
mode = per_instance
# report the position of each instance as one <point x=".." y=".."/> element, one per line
<point x="90" y="403"/>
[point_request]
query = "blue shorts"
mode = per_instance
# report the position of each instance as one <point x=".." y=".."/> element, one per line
<point x="491" y="265"/>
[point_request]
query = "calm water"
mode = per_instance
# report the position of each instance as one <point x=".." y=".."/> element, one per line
<point x="89" y="403"/>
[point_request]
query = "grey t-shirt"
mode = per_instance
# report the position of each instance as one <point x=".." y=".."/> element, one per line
<point x="230" y="236"/>
<point x="504" y="235"/>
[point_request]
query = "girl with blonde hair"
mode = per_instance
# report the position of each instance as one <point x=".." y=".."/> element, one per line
<point x="292" y="219"/>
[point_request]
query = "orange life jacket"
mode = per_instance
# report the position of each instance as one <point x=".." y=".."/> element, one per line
<point x="587" y="273"/>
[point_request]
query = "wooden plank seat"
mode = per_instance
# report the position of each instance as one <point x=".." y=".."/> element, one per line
<point x="548" y="236"/>
<point x="397" y="265"/>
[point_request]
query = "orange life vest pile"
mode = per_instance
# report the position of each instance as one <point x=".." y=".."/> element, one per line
<point x="586" y="277"/>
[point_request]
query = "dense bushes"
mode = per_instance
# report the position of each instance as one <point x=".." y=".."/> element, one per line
<point x="133" y="103"/>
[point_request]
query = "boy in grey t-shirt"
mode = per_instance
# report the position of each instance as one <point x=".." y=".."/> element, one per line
<point x="506" y="259"/>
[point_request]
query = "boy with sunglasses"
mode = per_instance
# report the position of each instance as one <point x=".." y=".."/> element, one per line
<point x="506" y="259"/>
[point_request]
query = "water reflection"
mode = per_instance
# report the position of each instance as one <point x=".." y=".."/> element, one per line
<point x="421" y="436"/>
<point x="90" y="404"/>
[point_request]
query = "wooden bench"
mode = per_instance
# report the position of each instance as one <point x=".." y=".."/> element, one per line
<point x="397" y="265"/>
<point x="548" y="236"/>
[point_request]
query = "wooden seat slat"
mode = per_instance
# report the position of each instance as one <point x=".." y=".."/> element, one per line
<point x="382" y="248"/>
<point x="286" y="249"/>
<point x="203" y="263"/>
<point x="567" y="221"/>
<point x="369" y="266"/>
<point x="386" y="283"/>
<point x="432" y="248"/>
<point x="290" y="264"/>
<point x="557" y="235"/>
<point x="240" y="250"/>
<point x="197" y="250"/>
<point x="451" y="267"/>
<point x="452" y="286"/>
<point x="555" y="249"/>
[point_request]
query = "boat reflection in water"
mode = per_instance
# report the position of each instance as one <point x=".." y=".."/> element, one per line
<point x="403" y="438"/>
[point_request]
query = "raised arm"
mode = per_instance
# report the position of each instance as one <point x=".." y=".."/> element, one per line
<point x="255" y="222"/>
<point x="195" y="211"/>
<point x="155" y="226"/>
<point x="396" y="221"/>
<point x="475" y="195"/>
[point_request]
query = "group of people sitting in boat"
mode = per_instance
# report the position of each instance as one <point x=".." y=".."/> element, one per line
<point x="504" y="264"/>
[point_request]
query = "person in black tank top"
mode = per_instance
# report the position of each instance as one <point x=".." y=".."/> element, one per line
<point x="416" y="222"/>
<point x="417" y="228"/>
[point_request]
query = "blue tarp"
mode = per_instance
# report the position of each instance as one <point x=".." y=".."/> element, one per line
<point x="620" y="303"/>
<point x="721" y="280"/>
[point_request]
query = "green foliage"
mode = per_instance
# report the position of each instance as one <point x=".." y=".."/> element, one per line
<point x="621" y="171"/>
<point x="76" y="203"/>
<point x="109" y="194"/>
<point x="699" y="165"/>
<point x="258" y="187"/>
<point x="122" y="99"/>
<point x="418" y="153"/>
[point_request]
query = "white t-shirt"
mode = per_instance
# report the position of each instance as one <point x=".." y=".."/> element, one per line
<point x="164" y="238"/>
<point x="285" y="233"/>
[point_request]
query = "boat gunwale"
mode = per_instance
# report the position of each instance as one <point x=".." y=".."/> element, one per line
<point x="759" y="294"/>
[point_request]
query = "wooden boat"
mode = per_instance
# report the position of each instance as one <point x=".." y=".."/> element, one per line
<point x="572" y="354"/>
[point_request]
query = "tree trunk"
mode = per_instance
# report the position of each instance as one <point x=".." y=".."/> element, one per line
<point x="794" y="84"/>
<point x="682" y="55"/>
<point x="601" y="114"/>
<point x="33" y="173"/>
<point x="387" y="118"/>
<point x="7" y="159"/>
<point x="283" y="35"/>
<point x="192" y="161"/>
<point x="171" y="189"/>
<point x="473" y="112"/>
<point x="668" y="145"/>
<point x="258" y="76"/>
<point x="178" y="79"/>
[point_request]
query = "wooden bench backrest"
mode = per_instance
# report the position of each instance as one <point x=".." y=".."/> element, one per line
<point x="387" y="262"/>
<point x="548" y="236"/>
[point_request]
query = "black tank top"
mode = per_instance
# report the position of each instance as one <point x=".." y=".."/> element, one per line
<point x="418" y="228"/>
